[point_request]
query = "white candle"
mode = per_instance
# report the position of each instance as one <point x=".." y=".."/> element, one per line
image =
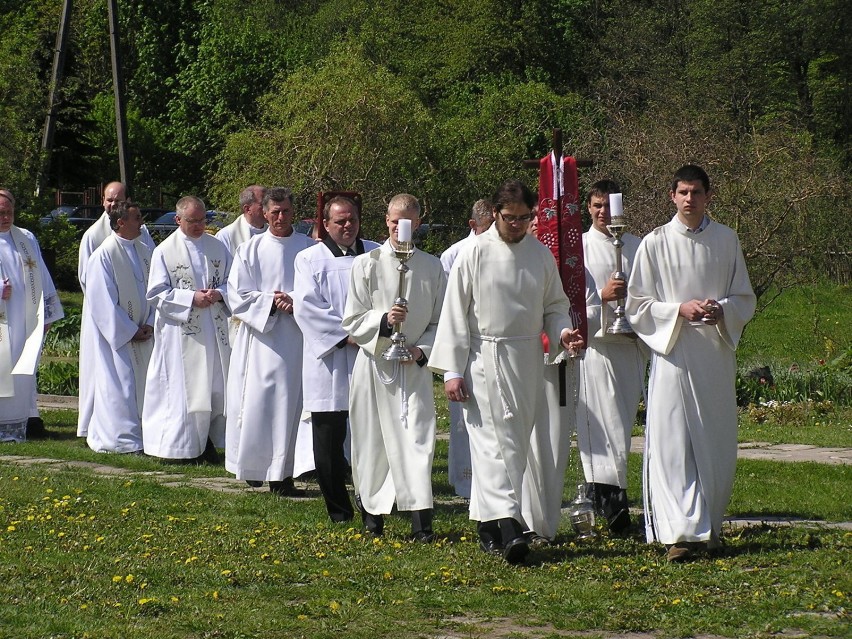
<point x="616" y="207"/>
<point x="403" y="230"/>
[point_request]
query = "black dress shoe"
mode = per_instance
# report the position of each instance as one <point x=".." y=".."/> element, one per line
<point x="254" y="483"/>
<point x="210" y="455"/>
<point x="534" y="540"/>
<point x="424" y="536"/>
<point x="36" y="429"/>
<point x="286" y="488"/>
<point x="373" y="524"/>
<point x="490" y="546"/>
<point x="619" y="522"/>
<point x="516" y="550"/>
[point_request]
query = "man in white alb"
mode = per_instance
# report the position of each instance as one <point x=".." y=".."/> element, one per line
<point x="123" y="327"/>
<point x="689" y="298"/>
<point x="504" y="291"/>
<point x="249" y="223"/>
<point x="114" y="192"/>
<point x="28" y="305"/>
<point x="265" y="377"/>
<point x="319" y="298"/>
<point x="183" y="417"/>
<point x="612" y="372"/>
<point x="391" y="403"/>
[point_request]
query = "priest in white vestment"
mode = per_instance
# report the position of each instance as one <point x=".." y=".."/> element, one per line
<point x="114" y="193"/>
<point x="28" y="305"/>
<point x="612" y="372"/>
<point x="249" y="222"/>
<point x="183" y="417"/>
<point x="265" y="376"/>
<point x="391" y="403"/>
<point x="319" y="298"/>
<point x="123" y="327"/>
<point x="458" y="460"/>
<point x="504" y="291"/>
<point x="689" y="299"/>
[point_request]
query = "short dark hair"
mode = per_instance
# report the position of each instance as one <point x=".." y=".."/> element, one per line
<point x="119" y="212"/>
<point x="277" y="194"/>
<point x="691" y="173"/>
<point x="512" y="192"/>
<point x="602" y="188"/>
<point x="338" y="199"/>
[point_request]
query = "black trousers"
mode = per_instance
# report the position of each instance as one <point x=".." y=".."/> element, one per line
<point x="329" y="434"/>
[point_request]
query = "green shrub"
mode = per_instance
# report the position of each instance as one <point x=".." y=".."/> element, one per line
<point x="57" y="377"/>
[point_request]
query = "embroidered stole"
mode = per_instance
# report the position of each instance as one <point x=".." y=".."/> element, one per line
<point x="34" y="308"/>
<point x="197" y="375"/>
<point x="130" y="301"/>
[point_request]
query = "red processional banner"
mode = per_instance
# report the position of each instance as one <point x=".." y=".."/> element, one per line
<point x="560" y="229"/>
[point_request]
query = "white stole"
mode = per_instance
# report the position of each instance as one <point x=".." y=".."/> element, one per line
<point x="34" y="308"/>
<point x="134" y="305"/>
<point x="193" y="347"/>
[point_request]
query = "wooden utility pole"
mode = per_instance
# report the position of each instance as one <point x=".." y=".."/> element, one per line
<point x="59" y="55"/>
<point x="124" y="163"/>
<point x="124" y="166"/>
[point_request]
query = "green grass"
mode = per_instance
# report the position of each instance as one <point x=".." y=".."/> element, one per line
<point x="802" y="326"/>
<point x="87" y="555"/>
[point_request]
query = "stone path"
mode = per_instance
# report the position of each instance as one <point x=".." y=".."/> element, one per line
<point x="747" y="450"/>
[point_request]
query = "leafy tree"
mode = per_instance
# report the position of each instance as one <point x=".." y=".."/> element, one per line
<point x="344" y="124"/>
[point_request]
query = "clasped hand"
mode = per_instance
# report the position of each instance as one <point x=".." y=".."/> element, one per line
<point x="707" y="311"/>
<point x="282" y="302"/>
<point x="206" y="297"/>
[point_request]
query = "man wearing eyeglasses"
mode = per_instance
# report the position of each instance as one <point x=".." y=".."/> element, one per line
<point x="183" y="417"/>
<point x="503" y="292"/>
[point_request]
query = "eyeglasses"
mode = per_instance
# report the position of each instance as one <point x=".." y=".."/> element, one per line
<point x="202" y="220"/>
<point x="284" y="212"/>
<point x="515" y="219"/>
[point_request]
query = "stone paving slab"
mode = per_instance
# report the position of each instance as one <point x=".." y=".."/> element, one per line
<point x="778" y="452"/>
<point x="747" y="450"/>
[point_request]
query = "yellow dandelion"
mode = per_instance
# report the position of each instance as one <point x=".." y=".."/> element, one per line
<point x="11" y="528"/>
<point x="129" y="579"/>
<point x="84" y="606"/>
<point x="174" y="599"/>
<point x="216" y="595"/>
<point x="325" y="573"/>
<point x="116" y="578"/>
<point x="387" y="576"/>
<point x="301" y="617"/>
<point x="334" y="606"/>
<point x="226" y="573"/>
<point x="675" y="602"/>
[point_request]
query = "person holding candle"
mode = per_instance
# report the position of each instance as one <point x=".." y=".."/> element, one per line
<point x="613" y="368"/>
<point x="504" y="291"/>
<point x="391" y="403"/>
<point x="689" y="298"/>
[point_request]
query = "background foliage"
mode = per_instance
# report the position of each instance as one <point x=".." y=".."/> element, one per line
<point x="444" y="100"/>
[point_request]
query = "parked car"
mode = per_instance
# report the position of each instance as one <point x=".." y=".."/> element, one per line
<point x="80" y="217"/>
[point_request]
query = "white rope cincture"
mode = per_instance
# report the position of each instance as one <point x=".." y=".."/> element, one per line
<point x="498" y="371"/>
<point x="398" y="374"/>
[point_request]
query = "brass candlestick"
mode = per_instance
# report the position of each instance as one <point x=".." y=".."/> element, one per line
<point x="398" y="351"/>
